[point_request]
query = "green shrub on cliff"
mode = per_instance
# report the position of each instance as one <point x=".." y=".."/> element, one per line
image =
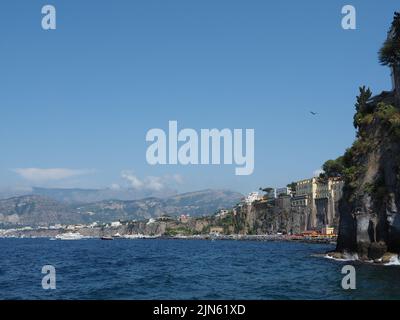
<point x="389" y="116"/>
<point x="369" y="120"/>
<point x="385" y="112"/>
<point x="362" y="107"/>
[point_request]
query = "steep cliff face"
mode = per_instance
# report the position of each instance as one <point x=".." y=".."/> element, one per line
<point x="369" y="209"/>
<point x="264" y="218"/>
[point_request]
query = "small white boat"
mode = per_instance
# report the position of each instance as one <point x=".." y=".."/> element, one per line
<point x="69" y="236"/>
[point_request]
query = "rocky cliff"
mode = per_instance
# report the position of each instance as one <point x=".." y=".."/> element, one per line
<point x="369" y="209"/>
<point x="369" y="216"/>
<point x="266" y="218"/>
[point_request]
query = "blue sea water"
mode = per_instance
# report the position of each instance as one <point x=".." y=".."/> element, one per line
<point x="184" y="269"/>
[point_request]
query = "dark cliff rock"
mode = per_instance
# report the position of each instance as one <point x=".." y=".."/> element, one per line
<point x="369" y="209"/>
<point x="267" y="218"/>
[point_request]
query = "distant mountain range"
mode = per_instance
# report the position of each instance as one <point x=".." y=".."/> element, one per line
<point x="93" y="195"/>
<point x="33" y="210"/>
<point x="39" y="210"/>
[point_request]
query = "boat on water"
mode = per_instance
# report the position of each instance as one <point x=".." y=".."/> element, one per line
<point x="107" y="238"/>
<point x="69" y="236"/>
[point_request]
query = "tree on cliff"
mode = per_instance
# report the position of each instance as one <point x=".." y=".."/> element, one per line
<point x="333" y="168"/>
<point x="362" y="107"/>
<point x="268" y="191"/>
<point x="389" y="54"/>
<point x="292" y="187"/>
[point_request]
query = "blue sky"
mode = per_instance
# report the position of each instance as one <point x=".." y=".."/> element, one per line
<point x="82" y="97"/>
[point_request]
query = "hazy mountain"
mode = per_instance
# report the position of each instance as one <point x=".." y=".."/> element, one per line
<point x="6" y="193"/>
<point x="35" y="210"/>
<point x="94" y="195"/>
<point x="194" y="203"/>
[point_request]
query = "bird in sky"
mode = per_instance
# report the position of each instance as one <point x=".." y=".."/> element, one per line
<point x="313" y="113"/>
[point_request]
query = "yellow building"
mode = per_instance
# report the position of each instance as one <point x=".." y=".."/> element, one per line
<point x="318" y="199"/>
<point x="306" y="187"/>
<point x="305" y="192"/>
<point x="216" y="230"/>
<point x="328" y="231"/>
<point x="333" y="188"/>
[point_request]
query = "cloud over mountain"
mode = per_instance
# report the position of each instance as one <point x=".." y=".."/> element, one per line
<point x="151" y="183"/>
<point x="51" y="174"/>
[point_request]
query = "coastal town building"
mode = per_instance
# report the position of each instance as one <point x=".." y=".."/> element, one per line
<point x="328" y="231"/>
<point x="303" y="200"/>
<point x="299" y="201"/>
<point x="318" y="200"/>
<point x="283" y="202"/>
<point x="116" y="224"/>
<point x="310" y="205"/>
<point x="283" y="192"/>
<point x="306" y="187"/>
<point x="252" y="197"/>
<point x="329" y="192"/>
<point x="222" y="213"/>
<point x="216" y="230"/>
<point x="151" y="221"/>
<point x="184" y="218"/>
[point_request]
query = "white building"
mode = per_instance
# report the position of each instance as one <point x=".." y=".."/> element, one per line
<point x="253" y="196"/>
<point x="222" y="213"/>
<point x="151" y="221"/>
<point x="115" y="224"/>
<point x="283" y="192"/>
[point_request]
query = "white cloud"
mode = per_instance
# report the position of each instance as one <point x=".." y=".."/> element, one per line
<point x="317" y="172"/>
<point x="42" y="175"/>
<point x="177" y="178"/>
<point x="115" y="186"/>
<point x="152" y="183"/>
<point x="134" y="181"/>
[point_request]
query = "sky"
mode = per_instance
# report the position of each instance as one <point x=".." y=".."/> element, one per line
<point x="76" y="102"/>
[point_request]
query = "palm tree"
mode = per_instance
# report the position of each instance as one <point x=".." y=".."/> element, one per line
<point x="389" y="54"/>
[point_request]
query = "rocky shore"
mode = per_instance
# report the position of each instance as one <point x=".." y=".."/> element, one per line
<point x="388" y="258"/>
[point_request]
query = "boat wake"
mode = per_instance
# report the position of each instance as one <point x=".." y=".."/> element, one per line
<point x="70" y="236"/>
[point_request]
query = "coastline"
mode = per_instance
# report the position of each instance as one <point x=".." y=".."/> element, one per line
<point x="206" y="237"/>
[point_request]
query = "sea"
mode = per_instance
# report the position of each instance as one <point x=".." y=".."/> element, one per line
<point x="158" y="269"/>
